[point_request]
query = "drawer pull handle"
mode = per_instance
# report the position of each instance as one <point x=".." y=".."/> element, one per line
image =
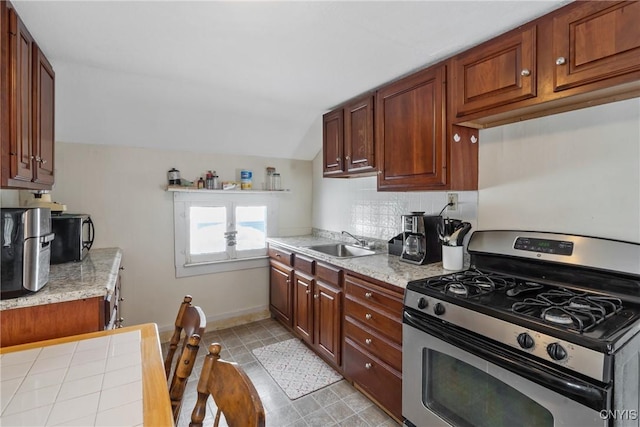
<point x="368" y="295"/>
<point x="368" y="316"/>
<point x="367" y="341"/>
<point x="367" y="365"/>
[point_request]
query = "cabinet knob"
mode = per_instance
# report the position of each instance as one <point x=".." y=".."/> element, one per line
<point x="120" y="299"/>
<point x="288" y="281"/>
<point x="38" y="159"/>
<point x="121" y="268"/>
<point x="368" y="295"/>
<point x="368" y="316"/>
<point x="307" y="292"/>
<point x="457" y="138"/>
<point x="33" y="157"/>
<point x="367" y="341"/>
<point x="474" y="139"/>
<point x="367" y="365"/>
<point x="561" y="60"/>
<point x="338" y="159"/>
<point x="316" y="296"/>
<point x="525" y="73"/>
<point x="347" y="157"/>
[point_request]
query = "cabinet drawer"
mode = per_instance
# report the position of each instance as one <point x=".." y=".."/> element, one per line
<point x="374" y="296"/>
<point x="329" y="274"/>
<point x="281" y="255"/>
<point x="375" y="319"/>
<point x="304" y="264"/>
<point x="382" y="382"/>
<point x="375" y="344"/>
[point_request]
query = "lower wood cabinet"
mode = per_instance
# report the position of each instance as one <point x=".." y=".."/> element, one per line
<point x="280" y="291"/>
<point x="353" y="323"/>
<point x="373" y="341"/>
<point x="317" y="308"/>
<point x="48" y="321"/>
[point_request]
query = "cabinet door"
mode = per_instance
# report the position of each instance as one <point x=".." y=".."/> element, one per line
<point x="358" y="135"/>
<point x="303" y="306"/>
<point x="333" y="142"/>
<point x="327" y="320"/>
<point x="280" y="297"/>
<point x="596" y="41"/>
<point x="43" y="112"/>
<point x="20" y="99"/>
<point x="410" y="139"/>
<point x="496" y="73"/>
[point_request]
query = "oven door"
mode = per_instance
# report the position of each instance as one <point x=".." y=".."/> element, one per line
<point x="455" y="378"/>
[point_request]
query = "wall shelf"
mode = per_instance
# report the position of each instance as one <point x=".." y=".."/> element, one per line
<point x="177" y="188"/>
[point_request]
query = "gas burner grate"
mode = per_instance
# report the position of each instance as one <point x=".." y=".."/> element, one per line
<point x="470" y="283"/>
<point x="577" y="311"/>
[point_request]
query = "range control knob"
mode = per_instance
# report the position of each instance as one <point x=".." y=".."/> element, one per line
<point x="525" y="340"/>
<point x="438" y="309"/>
<point x="556" y="352"/>
<point x="422" y="303"/>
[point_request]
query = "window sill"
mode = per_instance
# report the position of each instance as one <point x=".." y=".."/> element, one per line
<point x="197" y="269"/>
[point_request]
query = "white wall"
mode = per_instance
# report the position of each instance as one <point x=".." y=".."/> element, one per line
<point x="123" y="190"/>
<point x="576" y="172"/>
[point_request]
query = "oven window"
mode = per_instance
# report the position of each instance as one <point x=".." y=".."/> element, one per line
<point x="467" y="396"/>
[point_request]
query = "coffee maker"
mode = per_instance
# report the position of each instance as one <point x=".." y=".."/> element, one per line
<point x="420" y="238"/>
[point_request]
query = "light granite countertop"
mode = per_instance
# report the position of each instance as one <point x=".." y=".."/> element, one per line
<point x="381" y="266"/>
<point x="95" y="276"/>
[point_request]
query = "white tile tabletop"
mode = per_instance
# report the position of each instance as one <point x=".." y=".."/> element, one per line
<point x="93" y="382"/>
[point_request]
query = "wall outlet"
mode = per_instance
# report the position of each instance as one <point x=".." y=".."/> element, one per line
<point x="453" y="199"/>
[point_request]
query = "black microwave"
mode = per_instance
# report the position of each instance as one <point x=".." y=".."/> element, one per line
<point x="74" y="234"/>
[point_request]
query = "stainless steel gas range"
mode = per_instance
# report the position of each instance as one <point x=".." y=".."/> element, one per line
<point x="542" y="330"/>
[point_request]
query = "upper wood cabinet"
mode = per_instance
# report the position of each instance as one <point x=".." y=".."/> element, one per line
<point x="584" y="54"/>
<point x="348" y="146"/>
<point x="28" y="82"/>
<point x="43" y="120"/>
<point x="410" y="132"/>
<point x="333" y="142"/>
<point x="597" y="41"/>
<point x="496" y="73"/>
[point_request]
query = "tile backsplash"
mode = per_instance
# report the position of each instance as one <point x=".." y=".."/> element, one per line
<point x="356" y="206"/>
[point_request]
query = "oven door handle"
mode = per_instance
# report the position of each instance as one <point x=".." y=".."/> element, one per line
<point x="589" y="394"/>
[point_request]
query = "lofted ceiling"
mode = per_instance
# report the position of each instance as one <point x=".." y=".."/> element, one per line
<point x="241" y="77"/>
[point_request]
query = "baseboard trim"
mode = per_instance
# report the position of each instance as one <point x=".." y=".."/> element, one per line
<point x="223" y="321"/>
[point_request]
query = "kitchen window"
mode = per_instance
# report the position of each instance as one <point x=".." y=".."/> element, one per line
<point x="216" y="232"/>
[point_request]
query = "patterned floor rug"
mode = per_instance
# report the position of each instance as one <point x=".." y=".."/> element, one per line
<point x="296" y="369"/>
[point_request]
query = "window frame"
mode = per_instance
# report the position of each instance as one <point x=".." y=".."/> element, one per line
<point x="184" y="264"/>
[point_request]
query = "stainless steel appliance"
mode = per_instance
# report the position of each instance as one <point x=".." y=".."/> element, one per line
<point x="74" y="237"/>
<point x="420" y="238"/>
<point x="542" y="330"/>
<point x="26" y="249"/>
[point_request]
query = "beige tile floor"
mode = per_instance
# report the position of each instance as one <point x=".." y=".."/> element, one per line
<point x="339" y="404"/>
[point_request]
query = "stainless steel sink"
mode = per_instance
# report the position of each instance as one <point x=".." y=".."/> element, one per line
<point x="340" y="250"/>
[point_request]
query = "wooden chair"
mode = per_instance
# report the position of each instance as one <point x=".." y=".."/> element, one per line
<point x="232" y="391"/>
<point x="192" y="321"/>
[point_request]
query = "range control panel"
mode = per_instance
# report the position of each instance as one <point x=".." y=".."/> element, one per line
<point x="547" y="246"/>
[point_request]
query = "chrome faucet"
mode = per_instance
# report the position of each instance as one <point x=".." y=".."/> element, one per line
<point x="359" y="242"/>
